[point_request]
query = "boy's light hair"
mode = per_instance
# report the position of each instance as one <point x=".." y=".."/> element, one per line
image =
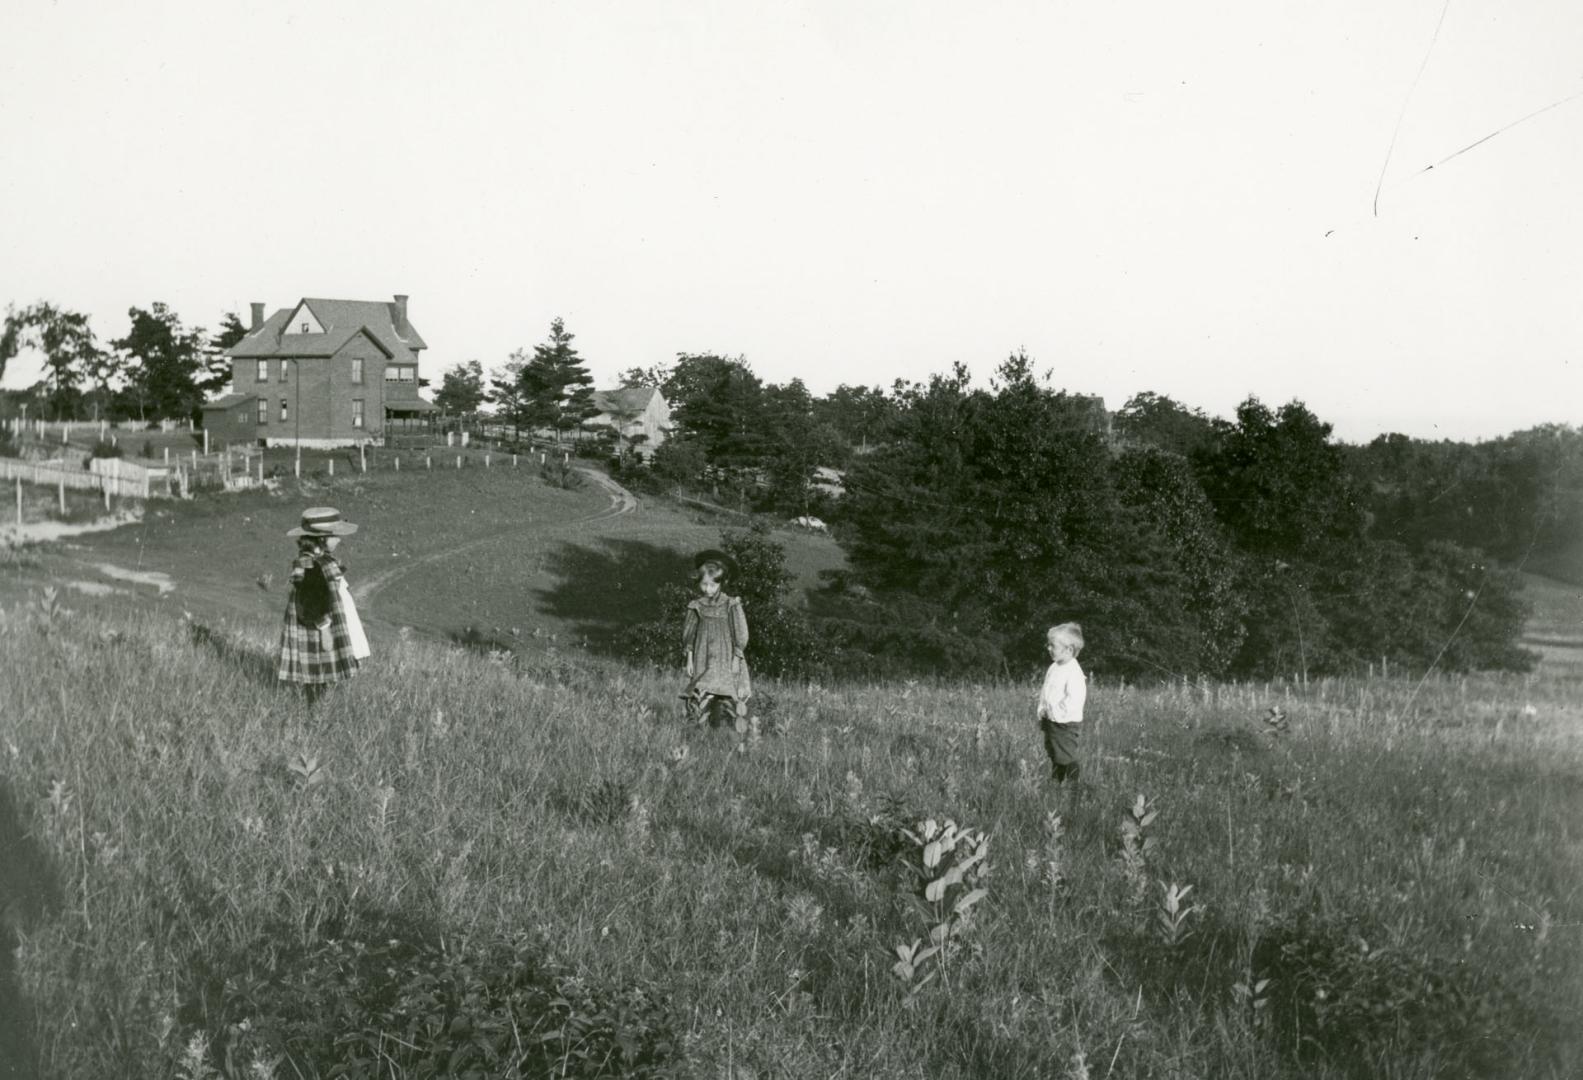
<point x="1070" y="633"/>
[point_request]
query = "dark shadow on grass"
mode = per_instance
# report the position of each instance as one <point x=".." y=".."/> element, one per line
<point x="257" y="666"/>
<point x="608" y="586"/>
<point x="28" y="888"/>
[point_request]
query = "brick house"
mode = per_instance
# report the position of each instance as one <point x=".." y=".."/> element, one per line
<point x="328" y="373"/>
<point x="633" y="411"/>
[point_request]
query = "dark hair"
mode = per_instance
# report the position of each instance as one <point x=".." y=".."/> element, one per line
<point x="721" y="573"/>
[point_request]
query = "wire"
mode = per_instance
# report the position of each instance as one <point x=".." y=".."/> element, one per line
<point x="1386" y="164"/>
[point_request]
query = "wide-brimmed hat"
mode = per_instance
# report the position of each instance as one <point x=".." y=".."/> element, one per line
<point x="715" y="555"/>
<point x="323" y="521"/>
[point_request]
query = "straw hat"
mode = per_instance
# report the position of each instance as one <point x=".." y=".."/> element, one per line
<point x="323" y="521"/>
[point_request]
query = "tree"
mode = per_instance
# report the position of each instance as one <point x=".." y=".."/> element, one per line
<point x="718" y="402"/>
<point x="462" y="389"/>
<point x="230" y="332"/>
<point x="861" y="415"/>
<point x="1156" y="420"/>
<point x="557" y="390"/>
<point x="166" y="363"/>
<point x="64" y="338"/>
<point x="505" y="392"/>
<point x="1279" y="484"/>
<point x="656" y="375"/>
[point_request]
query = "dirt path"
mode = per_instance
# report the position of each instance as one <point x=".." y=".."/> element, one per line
<point x="622" y="502"/>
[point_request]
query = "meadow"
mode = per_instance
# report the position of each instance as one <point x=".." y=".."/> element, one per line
<point x="493" y="863"/>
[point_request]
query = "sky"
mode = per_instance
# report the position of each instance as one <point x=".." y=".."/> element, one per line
<point x="1208" y="201"/>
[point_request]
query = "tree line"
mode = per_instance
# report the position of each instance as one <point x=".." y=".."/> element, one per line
<point x="161" y="369"/>
<point x="1254" y="546"/>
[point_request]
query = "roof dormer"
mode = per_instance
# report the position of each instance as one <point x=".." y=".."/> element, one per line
<point x="303" y="321"/>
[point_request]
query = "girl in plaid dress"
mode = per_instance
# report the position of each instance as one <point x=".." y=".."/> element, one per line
<point x="322" y="640"/>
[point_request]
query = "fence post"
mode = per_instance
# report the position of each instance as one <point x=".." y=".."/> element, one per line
<point x="362" y="455"/>
<point x="167" y="455"/>
<point x="104" y="485"/>
<point x="332" y="466"/>
<point x="398" y="464"/>
<point x="458" y="461"/>
<point x="206" y="442"/>
<point x="19" y="502"/>
<point x="486" y="461"/>
<point x="61" y="481"/>
<point x="428" y="462"/>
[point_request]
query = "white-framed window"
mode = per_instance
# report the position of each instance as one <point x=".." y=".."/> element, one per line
<point x="401" y="373"/>
<point x="307" y="328"/>
<point x="284" y="367"/>
<point x="262" y="374"/>
<point x="263" y="410"/>
<point x="357" y="412"/>
<point x="357" y="369"/>
<point x="285" y="413"/>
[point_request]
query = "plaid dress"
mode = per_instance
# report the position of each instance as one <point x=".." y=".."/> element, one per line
<point x="315" y="648"/>
<point x="715" y="635"/>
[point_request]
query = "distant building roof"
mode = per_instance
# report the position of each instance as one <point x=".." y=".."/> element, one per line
<point x="628" y="399"/>
<point x="228" y="402"/>
<point x="384" y="322"/>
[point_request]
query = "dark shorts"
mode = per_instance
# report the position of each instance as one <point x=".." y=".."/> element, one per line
<point x="1060" y="742"/>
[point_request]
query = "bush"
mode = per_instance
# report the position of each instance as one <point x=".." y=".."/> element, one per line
<point x="562" y="474"/>
<point x="380" y="996"/>
<point x="781" y="641"/>
<point x="104" y="448"/>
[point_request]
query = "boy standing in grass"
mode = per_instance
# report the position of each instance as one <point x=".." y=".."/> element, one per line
<point x="1061" y="701"/>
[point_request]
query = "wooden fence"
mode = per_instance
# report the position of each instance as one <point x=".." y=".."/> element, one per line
<point x="64" y="476"/>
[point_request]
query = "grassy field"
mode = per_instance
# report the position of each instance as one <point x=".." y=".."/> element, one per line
<point x="465" y="862"/>
<point x="450" y="553"/>
<point x="459" y="862"/>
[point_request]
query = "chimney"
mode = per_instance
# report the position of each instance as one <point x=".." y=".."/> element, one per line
<point x="401" y="309"/>
<point x="258" y="315"/>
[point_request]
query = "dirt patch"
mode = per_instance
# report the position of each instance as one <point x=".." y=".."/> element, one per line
<point x="160" y="581"/>
<point x="43" y="531"/>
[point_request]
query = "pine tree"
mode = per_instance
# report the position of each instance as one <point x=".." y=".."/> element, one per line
<point x="557" y="390"/>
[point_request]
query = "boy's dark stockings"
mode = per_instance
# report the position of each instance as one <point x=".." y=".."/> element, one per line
<point x="313" y="692"/>
<point x="1062" y="773"/>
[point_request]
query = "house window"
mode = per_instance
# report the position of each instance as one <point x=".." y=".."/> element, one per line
<point x="263" y="411"/>
<point x="283" y="369"/>
<point x="305" y="329"/>
<point x="284" y="414"/>
<point x="262" y="374"/>
<point x="357" y="369"/>
<point x="357" y="412"/>
<point x="400" y="374"/>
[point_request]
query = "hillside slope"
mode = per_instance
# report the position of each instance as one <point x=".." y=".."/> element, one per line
<point x="203" y="873"/>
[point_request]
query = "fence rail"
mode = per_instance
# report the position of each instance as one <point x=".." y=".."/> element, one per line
<point x="77" y="479"/>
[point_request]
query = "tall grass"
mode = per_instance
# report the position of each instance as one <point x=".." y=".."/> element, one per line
<point x="1385" y="885"/>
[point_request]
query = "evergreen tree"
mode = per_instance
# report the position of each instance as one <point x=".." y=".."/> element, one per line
<point x="557" y="390"/>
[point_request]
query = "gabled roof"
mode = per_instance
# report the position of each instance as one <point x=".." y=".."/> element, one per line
<point x="628" y="399"/>
<point x="342" y="320"/>
<point x="227" y="402"/>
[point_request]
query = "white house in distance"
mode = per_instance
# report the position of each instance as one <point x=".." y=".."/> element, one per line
<point x="633" y="411"/>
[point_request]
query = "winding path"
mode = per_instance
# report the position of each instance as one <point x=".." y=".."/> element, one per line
<point x="622" y="502"/>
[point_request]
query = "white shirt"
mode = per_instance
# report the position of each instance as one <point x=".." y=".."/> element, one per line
<point x="1065" y="689"/>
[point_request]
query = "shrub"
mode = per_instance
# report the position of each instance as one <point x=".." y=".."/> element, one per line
<point x="381" y="996"/>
